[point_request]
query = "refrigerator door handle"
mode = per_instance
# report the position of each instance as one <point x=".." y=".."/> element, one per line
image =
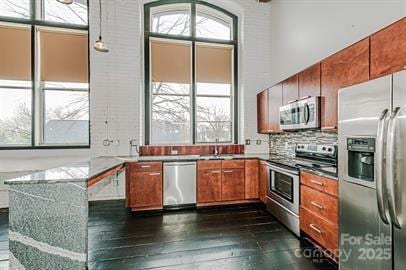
<point x="390" y="167"/>
<point x="380" y="173"/>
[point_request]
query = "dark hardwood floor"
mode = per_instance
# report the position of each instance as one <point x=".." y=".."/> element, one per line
<point x="232" y="238"/>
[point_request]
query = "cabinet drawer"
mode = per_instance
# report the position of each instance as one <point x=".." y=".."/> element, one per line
<point x="324" y="232"/>
<point x="320" y="183"/>
<point x="319" y="203"/>
<point x="209" y="164"/>
<point x="233" y="164"/>
<point x="146" y="166"/>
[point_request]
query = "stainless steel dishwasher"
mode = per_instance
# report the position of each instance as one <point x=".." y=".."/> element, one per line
<point x="179" y="184"/>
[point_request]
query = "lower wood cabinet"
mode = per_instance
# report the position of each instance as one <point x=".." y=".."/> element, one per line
<point x="209" y="185"/>
<point x="232" y="185"/>
<point x="144" y="185"/>
<point x="321" y="230"/>
<point x="319" y="211"/>
<point x="251" y="179"/>
<point x="262" y="181"/>
<point x="221" y="181"/>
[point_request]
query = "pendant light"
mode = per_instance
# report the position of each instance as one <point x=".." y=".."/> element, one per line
<point x="99" y="45"/>
<point x="66" y="2"/>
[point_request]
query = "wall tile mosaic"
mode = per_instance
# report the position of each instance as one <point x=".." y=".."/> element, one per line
<point x="284" y="143"/>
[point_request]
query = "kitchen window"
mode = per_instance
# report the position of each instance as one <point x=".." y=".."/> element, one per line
<point x="44" y="89"/>
<point x="191" y="74"/>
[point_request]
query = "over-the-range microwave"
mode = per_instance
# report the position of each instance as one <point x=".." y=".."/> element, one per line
<point x="300" y="114"/>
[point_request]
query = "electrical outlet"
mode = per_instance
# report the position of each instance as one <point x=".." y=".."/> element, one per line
<point x="248" y="142"/>
<point x="259" y="142"/>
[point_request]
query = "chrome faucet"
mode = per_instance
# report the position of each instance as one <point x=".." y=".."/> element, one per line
<point x="216" y="147"/>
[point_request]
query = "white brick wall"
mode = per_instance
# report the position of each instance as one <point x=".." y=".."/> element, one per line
<point x="116" y="83"/>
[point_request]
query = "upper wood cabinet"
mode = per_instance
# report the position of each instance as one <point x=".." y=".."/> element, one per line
<point x="388" y="50"/>
<point x="310" y="81"/>
<point x="251" y="179"/>
<point x="275" y="98"/>
<point x="347" y="67"/>
<point x="290" y="88"/>
<point x="262" y="112"/>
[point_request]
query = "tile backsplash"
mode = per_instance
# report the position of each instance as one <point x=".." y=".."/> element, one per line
<point x="284" y="143"/>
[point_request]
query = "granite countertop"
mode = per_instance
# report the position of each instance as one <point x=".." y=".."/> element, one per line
<point x="76" y="172"/>
<point x="85" y="170"/>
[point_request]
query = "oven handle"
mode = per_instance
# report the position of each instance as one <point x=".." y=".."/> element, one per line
<point x="285" y="171"/>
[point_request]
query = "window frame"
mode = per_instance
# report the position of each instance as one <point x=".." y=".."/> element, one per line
<point x="194" y="39"/>
<point x="35" y="20"/>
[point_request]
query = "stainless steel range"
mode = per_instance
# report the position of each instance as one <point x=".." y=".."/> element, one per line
<point x="283" y="185"/>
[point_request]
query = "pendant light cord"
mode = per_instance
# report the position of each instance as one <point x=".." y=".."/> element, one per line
<point x="100" y="15"/>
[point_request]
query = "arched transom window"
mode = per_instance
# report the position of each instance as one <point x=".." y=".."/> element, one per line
<point x="190" y="73"/>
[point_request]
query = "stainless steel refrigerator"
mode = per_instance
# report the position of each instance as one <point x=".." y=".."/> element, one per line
<point x="372" y="174"/>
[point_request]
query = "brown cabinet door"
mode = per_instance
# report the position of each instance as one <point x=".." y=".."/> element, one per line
<point x="233" y="186"/>
<point x="251" y="179"/>
<point x="145" y="189"/>
<point x="309" y="81"/>
<point x="388" y="50"/>
<point x="290" y="90"/>
<point x="275" y="102"/>
<point x="262" y="181"/>
<point x="262" y="112"/>
<point x="345" y="68"/>
<point x="209" y="185"/>
<point x="321" y="230"/>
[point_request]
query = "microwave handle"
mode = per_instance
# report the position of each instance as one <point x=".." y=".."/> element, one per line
<point x="306" y="113"/>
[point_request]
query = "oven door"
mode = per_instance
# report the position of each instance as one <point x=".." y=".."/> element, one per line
<point x="283" y="187"/>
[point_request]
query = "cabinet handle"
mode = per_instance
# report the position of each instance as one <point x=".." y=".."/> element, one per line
<point x="317" y="182"/>
<point x="146" y="166"/>
<point x="317" y="205"/>
<point x="215" y="172"/>
<point x="314" y="228"/>
<point x="154" y="174"/>
<point x="229" y="171"/>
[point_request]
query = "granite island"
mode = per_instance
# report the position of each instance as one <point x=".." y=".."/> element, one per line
<point x="48" y="214"/>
